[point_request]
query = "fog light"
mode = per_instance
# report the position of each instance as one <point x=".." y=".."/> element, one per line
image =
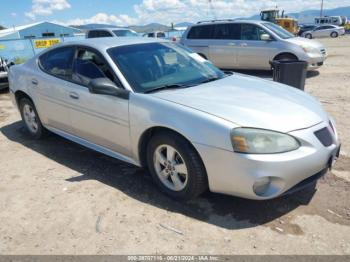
<point x="261" y="185"/>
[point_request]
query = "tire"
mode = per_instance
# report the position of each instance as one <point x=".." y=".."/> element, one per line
<point x="309" y="36"/>
<point x="180" y="175"/>
<point x="31" y="118"/>
<point x="334" y="34"/>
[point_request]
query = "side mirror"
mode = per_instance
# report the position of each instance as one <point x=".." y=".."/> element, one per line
<point x="265" y="37"/>
<point x="104" y="86"/>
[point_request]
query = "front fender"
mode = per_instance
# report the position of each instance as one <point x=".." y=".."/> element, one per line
<point x="198" y="127"/>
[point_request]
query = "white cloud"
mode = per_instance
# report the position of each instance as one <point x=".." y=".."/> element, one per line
<point x="102" y="18"/>
<point x="168" y="11"/>
<point x="46" y="7"/>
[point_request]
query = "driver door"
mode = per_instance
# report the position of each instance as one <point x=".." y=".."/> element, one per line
<point x="100" y="119"/>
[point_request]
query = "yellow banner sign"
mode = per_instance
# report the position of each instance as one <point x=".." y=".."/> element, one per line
<point x="45" y="43"/>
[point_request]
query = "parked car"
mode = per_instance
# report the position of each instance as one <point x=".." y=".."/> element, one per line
<point x="156" y="34"/>
<point x="111" y="32"/>
<point x="325" y="31"/>
<point x="3" y="74"/>
<point x="304" y="28"/>
<point x="246" y="44"/>
<point x="155" y="104"/>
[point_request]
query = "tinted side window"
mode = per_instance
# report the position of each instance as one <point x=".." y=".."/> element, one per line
<point x="93" y="34"/>
<point x="104" y="34"/>
<point x="227" y="31"/>
<point x="201" y="32"/>
<point x="251" y="32"/>
<point x="89" y="65"/>
<point x="58" y="62"/>
<point x="99" y="33"/>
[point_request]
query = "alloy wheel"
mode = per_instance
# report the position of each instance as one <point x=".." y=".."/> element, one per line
<point x="30" y="118"/>
<point x="170" y="167"/>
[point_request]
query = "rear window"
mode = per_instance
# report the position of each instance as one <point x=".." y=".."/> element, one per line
<point x="99" y="33"/>
<point x="160" y="35"/>
<point x="122" y="33"/>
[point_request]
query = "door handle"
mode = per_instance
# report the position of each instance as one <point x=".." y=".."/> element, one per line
<point x="244" y="44"/>
<point x="35" y="82"/>
<point x="74" y="95"/>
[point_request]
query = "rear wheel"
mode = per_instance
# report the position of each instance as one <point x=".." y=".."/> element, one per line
<point x="176" y="167"/>
<point x="309" y="36"/>
<point x="31" y="118"/>
<point x="334" y="34"/>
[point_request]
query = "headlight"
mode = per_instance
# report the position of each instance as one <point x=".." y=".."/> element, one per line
<point x="310" y="50"/>
<point x="260" y="141"/>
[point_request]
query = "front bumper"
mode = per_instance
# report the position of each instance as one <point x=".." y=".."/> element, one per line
<point x="315" y="60"/>
<point x="235" y="174"/>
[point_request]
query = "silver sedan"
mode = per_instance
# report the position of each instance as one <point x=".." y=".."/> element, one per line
<point x="325" y="31"/>
<point x="157" y="105"/>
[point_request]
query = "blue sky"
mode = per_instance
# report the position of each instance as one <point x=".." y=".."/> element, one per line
<point x="127" y="12"/>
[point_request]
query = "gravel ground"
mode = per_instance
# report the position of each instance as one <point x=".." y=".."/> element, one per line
<point x="59" y="198"/>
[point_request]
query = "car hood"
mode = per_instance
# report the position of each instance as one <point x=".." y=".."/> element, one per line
<point x="251" y="102"/>
<point x="301" y="41"/>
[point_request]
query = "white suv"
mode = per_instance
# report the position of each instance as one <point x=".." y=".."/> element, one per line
<point x="247" y="44"/>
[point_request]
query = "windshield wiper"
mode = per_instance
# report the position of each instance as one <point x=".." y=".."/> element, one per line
<point x="165" y="87"/>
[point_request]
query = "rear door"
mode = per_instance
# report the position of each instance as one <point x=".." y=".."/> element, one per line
<point x="99" y="119"/>
<point x="255" y="53"/>
<point x="223" y="47"/>
<point x="52" y="87"/>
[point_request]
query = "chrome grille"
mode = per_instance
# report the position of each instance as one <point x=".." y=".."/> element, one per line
<point x="323" y="51"/>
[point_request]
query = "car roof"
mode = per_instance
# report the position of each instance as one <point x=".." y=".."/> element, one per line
<point x="230" y="21"/>
<point x="104" y="43"/>
<point x="109" y="29"/>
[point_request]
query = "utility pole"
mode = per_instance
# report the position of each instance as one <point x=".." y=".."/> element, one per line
<point x="211" y="7"/>
<point x="321" y="13"/>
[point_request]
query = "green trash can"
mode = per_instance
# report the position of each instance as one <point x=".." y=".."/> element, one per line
<point x="292" y="73"/>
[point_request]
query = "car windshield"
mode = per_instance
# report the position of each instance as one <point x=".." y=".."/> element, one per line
<point x="124" y="33"/>
<point x="282" y="33"/>
<point x="153" y="66"/>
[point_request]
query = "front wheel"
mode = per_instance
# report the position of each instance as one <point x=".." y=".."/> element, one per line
<point x="31" y="118"/>
<point x="176" y="167"/>
<point x="309" y="36"/>
<point x="334" y="34"/>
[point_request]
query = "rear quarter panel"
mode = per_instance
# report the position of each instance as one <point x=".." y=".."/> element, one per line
<point x="18" y="78"/>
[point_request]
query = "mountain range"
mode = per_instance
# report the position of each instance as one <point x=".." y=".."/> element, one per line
<point x="303" y="17"/>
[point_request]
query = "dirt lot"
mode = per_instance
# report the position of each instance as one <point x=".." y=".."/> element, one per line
<point x="59" y="198"/>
